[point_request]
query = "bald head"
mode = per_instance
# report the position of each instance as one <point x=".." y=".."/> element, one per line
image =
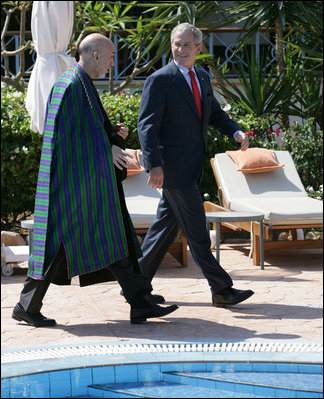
<point x="92" y="43"/>
<point x="96" y="55"/>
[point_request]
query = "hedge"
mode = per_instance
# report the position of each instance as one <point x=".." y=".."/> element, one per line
<point x="21" y="149"/>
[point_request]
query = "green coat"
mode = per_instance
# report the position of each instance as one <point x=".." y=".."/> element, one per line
<point x="77" y="202"/>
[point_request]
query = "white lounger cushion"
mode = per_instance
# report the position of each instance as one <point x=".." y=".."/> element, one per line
<point x="283" y="211"/>
<point x="141" y="200"/>
<point x="279" y="194"/>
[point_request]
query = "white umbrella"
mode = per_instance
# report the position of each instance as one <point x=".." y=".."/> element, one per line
<point x="51" y="25"/>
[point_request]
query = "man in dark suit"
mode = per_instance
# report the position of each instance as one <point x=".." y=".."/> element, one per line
<point x="176" y="108"/>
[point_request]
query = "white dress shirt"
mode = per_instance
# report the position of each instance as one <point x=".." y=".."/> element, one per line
<point x="185" y="72"/>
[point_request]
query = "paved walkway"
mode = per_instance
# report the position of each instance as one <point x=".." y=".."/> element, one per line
<point x="287" y="304"/>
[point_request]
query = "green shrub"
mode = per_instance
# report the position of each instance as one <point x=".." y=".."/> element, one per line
<point x="302" y="141"/>
<point x="21" y="149"/>
<point x="317" y="194"/>
<point x="20" y="155"/>
<point x="305" y="145"/>
<point x="261" y="130"/>
<point x="124" y="108"/>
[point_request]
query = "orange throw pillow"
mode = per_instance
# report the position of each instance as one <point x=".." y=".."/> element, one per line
<point x="133" y="164"/>
<point x="255" y="160"/>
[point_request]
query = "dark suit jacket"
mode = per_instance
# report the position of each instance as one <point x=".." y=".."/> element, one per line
<point x="171" y="133"/>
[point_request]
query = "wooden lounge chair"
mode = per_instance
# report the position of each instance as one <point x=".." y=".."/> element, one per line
<point x="142" y="202"/>
<point x="278" y="194"/>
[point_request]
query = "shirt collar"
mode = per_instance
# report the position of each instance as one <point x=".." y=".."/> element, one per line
<point x="185" y="70"/>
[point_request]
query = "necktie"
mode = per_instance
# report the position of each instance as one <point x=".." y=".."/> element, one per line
<point x="195" y="91"/>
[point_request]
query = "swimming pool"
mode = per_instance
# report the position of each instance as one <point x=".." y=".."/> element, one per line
<point x="165" y="369"/>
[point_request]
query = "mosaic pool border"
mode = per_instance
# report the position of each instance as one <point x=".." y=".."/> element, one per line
<point x="23" y="361"/>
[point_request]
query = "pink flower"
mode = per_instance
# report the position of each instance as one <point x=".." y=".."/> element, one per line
<point x="268" y="130"/>
<point x="269" y="135"/>
<point x="255" y="135"/>
<point x="277" y="130"/>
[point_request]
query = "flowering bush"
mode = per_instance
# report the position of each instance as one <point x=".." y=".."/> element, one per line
<point x="305" y="145"/>
<point x="20" y="155"/>
<point x="261" y="130"/>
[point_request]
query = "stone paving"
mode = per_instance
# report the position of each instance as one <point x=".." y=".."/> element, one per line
<point x="286" y="306"/>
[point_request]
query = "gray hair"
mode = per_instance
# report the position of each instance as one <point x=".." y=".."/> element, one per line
<point x="87" y="48"/>
<point x="187" y="27"/>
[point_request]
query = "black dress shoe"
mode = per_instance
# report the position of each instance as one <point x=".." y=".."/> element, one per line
<point x="155" y="298"/>
<point x="34" y="319"/>
<point x="139" y="315"/>
<point x="230" y="296"/>
<point x="151" y="297"/>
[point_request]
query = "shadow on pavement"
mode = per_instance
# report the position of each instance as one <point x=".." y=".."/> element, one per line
<point x="175" y="330"/>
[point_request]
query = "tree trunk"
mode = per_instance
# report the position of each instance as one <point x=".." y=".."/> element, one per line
<point x="280" y="65"/>
<point x="111" y="69"/>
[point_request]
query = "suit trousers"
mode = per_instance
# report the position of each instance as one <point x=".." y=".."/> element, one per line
<point x="131" y="282"/>
<point x="182" y="207"/>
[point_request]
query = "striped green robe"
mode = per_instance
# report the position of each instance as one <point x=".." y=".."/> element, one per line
<point x="77" y="202"/>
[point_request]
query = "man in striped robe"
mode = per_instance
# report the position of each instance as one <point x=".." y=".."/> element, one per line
<point x="81" y="224"/>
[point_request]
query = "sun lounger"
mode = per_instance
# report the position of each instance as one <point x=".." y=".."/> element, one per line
<point x="278" y="194"/>
<point x="13" y="255"/>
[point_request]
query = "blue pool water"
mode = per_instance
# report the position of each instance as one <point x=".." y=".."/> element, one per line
<point x="154" y="371"/>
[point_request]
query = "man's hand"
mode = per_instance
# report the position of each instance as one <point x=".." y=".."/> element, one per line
<point x="121" y="130"/>
<point x="120" y="157"/>
<point x="156" y="177"/>
<point x="243" y="139"/>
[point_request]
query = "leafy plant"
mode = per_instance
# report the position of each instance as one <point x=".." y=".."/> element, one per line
<point x="263" y="91"/>
<point x="317" y="194"/>
<point x="147" y="27"/>
<point x="20" y="155"/>
<point x="124" y="108"/>
<point x="307" y="34"/>
<point x="305" y="145"/>
<point x="299" y="24"/>
<point x="307" y="100"/>
<point x="9" y="8"/>
<point x="21" y="148"/>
